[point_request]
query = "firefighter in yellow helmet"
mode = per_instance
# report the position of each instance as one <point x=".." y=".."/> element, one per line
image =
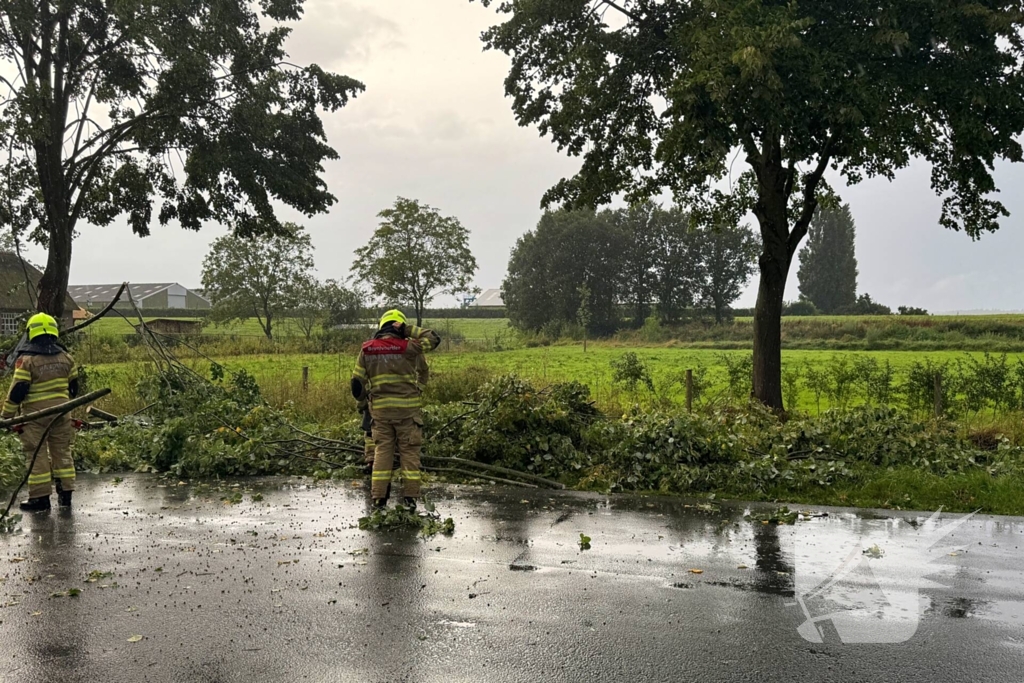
<point x="391" y="372"/>
<point x="44" y="376"/>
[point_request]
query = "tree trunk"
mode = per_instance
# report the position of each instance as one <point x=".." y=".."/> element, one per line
<point x="268" y="328"/>
<point x="776" y="255"/>
<point x="768" y="338"/>
<point x="419" y="314"/>
<point x="53" y="287"/>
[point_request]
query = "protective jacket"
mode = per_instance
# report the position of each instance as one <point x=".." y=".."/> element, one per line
<point x="391" y="372"/>
<point x="44" y="373"/>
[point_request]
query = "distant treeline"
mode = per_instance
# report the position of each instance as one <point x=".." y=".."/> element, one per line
<point x="474" y="313"/>
<point x="604" y="271"/>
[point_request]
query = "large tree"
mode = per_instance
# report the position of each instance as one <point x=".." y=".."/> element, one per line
<point x="259" y="278"/>
<point x="728" y="255"/>
<point x="657" y="94"/>
<point x="678" y="271"/>
<point x="570" y="254"/>
<point x="643" y="227"/>
<point x="189" y="110"/>
<point x="828" y="264"/>
<point x="325" y="305"/>
<point x="416" y="254"/>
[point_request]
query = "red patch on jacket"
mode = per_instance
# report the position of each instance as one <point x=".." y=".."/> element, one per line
<point x="18" y="363"/>
<point x="385" y="347"/>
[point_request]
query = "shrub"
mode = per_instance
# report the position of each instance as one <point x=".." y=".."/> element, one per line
<point x="799" y="308"/>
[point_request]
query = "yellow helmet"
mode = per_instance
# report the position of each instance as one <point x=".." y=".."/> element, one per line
<point x="41" y="324"/>
<point x="393" y="316"/>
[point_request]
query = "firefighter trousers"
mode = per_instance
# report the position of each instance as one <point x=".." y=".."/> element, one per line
<point x="405" y="435"/>
<point x="54" y="458"/>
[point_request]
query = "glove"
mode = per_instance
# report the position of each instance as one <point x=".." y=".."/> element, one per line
<point x="367" y="425"/>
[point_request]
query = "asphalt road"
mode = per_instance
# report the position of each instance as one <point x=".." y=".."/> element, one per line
<point x="188" y="587"/>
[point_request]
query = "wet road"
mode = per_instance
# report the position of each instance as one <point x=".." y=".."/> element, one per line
<point x="285" y="589"/>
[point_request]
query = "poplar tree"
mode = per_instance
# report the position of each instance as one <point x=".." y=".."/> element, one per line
<point x="828" y="264"/>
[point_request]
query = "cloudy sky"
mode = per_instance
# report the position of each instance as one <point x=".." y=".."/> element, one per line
<point x="434" y="125"/>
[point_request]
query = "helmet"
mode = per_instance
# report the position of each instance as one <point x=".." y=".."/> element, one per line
<point x="393" y="316"/>
<point x="41" y="324"/>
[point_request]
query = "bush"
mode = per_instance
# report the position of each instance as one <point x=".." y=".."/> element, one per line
<point x="799" y="308"/>
<point x="865" y="306"/>
<point x="911" y="310"/>
<point x="630" y="371"/>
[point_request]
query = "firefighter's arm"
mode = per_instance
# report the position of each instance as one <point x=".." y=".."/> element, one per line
<point x="428" y="339"/>
<point x="20" y="385"/>
<point x="422" y="371"/>
<point x="359" y="392"/>
<point x="73" y="386"/>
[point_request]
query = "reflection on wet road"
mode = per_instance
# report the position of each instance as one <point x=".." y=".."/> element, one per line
<point x="285" y="589"/>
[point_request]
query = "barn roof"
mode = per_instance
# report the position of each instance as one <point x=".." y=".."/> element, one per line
<point x="489" y="298"/>
<point x="96" y="294"/>
<point x="105" y="293"/>
<point x="15" y="293"/>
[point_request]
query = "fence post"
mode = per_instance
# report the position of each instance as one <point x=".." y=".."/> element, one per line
<point x="689" y="391"/>
<point x="305" y="378"/>
<point x="938" y="394"/>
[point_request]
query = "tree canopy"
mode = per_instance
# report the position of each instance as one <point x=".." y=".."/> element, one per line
<point x="828" y="263"/>
<point x="728" y="255"/>
<point x="569" y="255"/>
<point x="657" y="95"/>
<point x="259" y="278"/>
<point x="619" y="265"/>
<point x="414" y="255"/>
<point x="183" y="112"/>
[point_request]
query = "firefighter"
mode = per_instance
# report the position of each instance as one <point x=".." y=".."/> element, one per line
<point x="44" y="376"/>
<point x="369" y="448"/>
<point x="390" y="373"/>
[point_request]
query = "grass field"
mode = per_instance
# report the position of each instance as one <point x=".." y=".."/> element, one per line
<point x="329" y="374"/>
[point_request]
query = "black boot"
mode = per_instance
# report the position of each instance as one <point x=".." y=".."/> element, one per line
<point x="36" y="504"/>
<point x="380" y="503"/>
<point x="63" y="497"/>
<point x="410" y="503"/>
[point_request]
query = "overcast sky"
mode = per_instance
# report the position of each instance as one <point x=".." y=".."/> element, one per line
<point x="434" y="125"/>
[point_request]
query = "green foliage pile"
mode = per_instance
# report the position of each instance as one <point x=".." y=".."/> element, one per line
<point x="12" y="461"/>
<point x="518" y="427"/>
<point x="754" y="453"/>
<point x="744" y="452"/>
<point x="199" y="428"/>
<point x="782" y="515"/>
<point x="400" y="517"/>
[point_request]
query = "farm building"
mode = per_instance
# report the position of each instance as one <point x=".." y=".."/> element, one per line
<point x="172" y="326"/>
<point x="18" y="281"/>
<point x="162" y="295"/>
<point x="490" y="298"/>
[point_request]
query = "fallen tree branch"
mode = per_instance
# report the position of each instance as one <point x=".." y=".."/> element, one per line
<point x="338" y="445"/>
<point x="455" y="419"/>
<point x="549" y="483"/>
<point x="319" y="460"/>
<point x="479" y="475"/>
<point x="55" y="410"/>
